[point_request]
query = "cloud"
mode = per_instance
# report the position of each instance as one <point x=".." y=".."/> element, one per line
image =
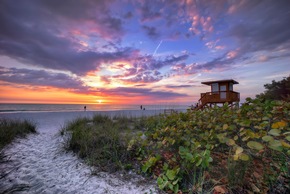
<point x="42" y="78"/>
<point x="144" y="92"/>
<point x="145" y="77"/>
<point x="149" y="11"/>
<point x="143" y="69"/>
<point x="151" y="31"/>
<point x="179" y="86"/>
<point x="40" y="34"/>
<point x="266" y="27"/>
<point x="128" y="15"/>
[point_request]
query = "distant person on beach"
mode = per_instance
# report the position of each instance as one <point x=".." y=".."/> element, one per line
<point x="141" y="107"/>
<point x="85" y="108"/>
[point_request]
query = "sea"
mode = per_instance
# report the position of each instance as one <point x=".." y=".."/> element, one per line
<point x="21" y="108"/>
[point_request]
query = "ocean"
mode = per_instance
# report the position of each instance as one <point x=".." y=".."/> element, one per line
<point x="20" y="108"/>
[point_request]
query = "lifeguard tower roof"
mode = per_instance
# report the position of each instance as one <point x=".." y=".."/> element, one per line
<point x="220" y="81"/>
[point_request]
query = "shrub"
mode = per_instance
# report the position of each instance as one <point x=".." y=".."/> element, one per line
<point x="196" y="150"/>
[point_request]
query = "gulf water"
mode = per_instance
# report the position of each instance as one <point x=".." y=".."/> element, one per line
<point x="12" y="108"/>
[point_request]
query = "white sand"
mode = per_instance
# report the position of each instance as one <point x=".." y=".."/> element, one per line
<point x="40" y="162"/>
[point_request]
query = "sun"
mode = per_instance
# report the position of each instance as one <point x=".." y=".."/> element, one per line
<point x="100" y="101"/>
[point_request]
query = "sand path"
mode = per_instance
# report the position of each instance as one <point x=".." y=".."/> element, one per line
<point x="40" y="164"/>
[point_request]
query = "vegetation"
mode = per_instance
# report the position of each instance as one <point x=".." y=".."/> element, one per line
<point x="10" y="129"/>
<point x="218" y="149"/>
<point x="215" y="150"/>
<point x="240" y="150"/>
<point x="102" y="141"/>
<point x="279" y="90"/>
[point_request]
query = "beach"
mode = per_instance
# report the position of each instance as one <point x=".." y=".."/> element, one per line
<point x="40" y="164"/>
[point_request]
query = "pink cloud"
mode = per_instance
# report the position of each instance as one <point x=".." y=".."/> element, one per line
<point x="232" y="54"/>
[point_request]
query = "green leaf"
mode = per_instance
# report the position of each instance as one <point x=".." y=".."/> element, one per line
<point x="231" y="142"/>
<point x="244" y="157"/>
<point x="239" y="150"/>
<point x="176" y="181"/>
<point x="275" y="145"/>
<point x="189" y="156"/>
<point x="288" y="137"/>
<point x="165" y="166"/>
<point x="176" y="188"/>
<point x="199" y="162"/>
<point x="255" y="145"/>
<point x="274" y="132"/>
<point x="171" y="174"/>
<point x="267" y="138"/>
<point x="159" y="180"/>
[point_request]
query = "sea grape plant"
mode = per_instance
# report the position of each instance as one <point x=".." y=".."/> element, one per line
<point x="177" y="146"/>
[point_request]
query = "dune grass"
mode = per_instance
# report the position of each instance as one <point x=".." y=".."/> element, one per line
<point x="102" y="141"/>
<point x="10" y="129"/>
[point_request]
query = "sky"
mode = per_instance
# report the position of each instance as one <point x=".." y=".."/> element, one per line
<point x="138" y="51"/>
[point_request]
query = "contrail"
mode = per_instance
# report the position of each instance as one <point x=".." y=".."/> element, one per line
<point x="157" y="47"/>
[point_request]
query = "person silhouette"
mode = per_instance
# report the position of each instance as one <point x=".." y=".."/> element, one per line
<point x="141" y="107"/>
<point x="85" y="108"/>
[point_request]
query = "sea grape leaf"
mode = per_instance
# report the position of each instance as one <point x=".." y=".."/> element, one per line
<point x="275" y="145"/>
<point x="165" y="166"/>
<point x="255" y="145"/>
<point x="210" y="159"/>
<point x="274" y="132"/>
<point x="282" y="124"/>
<point x="189" y="156"/>
<point x="284" y="144"/>
<point x="239" y="150"/>
<point x="176" y="181"/>
<point x="225" y="126"/>
<point x="267" y="138"/>
<point x="265" y="118"/>
<point x="199" y="162"/>
<point x="279" y="124"/>
<point x="231" y="142"/>
<point x="275" y="125"/>
<point x="244" y="157"/>
<point x="236" y="157"/>
<point x="171" y="174"/>
<point x="176" y="188"/>
<point x="159" y="181"/>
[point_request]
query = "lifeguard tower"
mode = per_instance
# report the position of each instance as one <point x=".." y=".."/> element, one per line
<point x="221" y="92"/>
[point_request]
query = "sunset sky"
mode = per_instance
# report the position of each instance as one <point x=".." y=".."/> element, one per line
<point x="137" y="51"/>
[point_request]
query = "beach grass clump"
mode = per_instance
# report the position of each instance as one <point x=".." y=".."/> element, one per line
<point x="11" y="129"/>
<point x="102" y="141"/>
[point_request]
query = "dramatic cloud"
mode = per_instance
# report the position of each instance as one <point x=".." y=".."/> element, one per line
<point x="107" y="44"/>
<point x="42" y="78"/>
<point x="135" y="92"/>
